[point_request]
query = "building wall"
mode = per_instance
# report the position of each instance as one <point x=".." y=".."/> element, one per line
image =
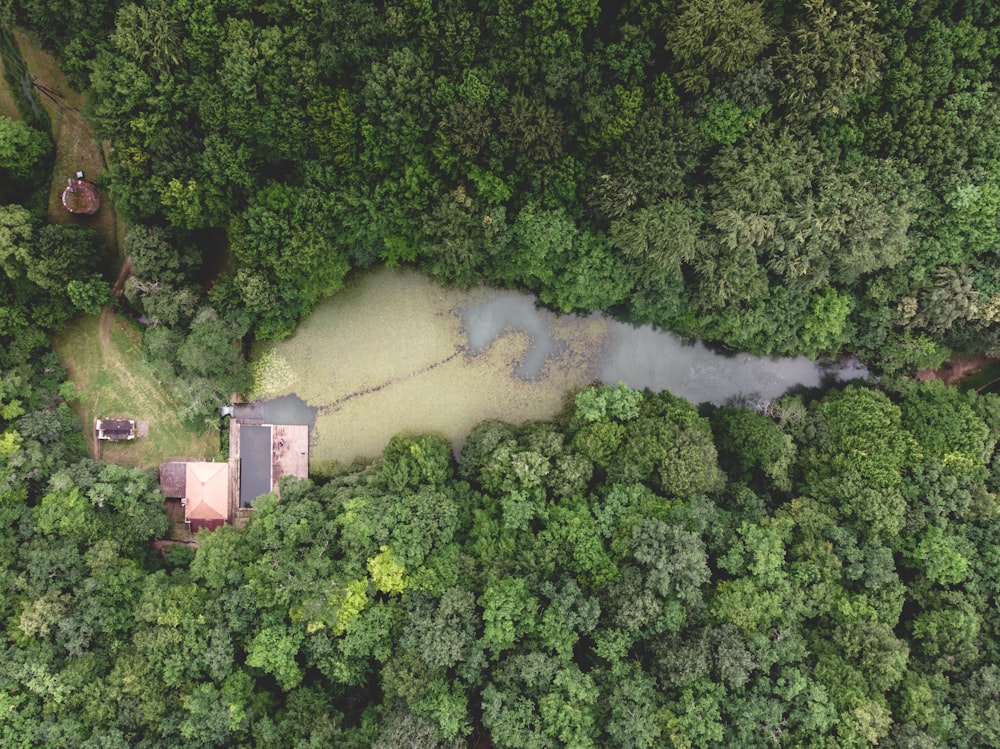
<point x="211" y="525"/>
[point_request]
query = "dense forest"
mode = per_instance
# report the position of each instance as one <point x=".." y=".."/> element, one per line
<point x="637" y="574"/>
<point x="790" y="178"/>
<point x="793" y="178"/>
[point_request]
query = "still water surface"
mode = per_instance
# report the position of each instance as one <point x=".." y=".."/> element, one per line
<point x="395" y="352"/>
<point x="643" y="357"/>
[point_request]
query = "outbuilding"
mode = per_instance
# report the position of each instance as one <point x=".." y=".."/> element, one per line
<point x="115" y="429"/>
<point x="203" y="488"/>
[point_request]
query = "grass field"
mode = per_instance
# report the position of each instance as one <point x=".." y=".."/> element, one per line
<point x="7" y="106"/>
<point x="102" y="353"/>
<point x="77" y="148"/>
<point x="105" y="362"/>
<point x="385" y="356"/>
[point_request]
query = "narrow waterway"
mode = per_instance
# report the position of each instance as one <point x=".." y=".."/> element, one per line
<point x="643" y="357"/>
<point x="395" y="352"/>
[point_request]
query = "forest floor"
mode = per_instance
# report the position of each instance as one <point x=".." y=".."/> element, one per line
<point x="977" y="372"/>
<point x="77" y="147"/>
<point x="964" y="370"/>
<point x="104" y="356"/>
<point x="179" y="531"/>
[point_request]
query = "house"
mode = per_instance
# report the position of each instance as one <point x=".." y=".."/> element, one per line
<point x="173" y="478"/>
<point x="206" y="496"/>
<point x="260" y="454"/>
<point x="263" y="453"/>
<point x="203" y="489"/>
<point x="115" y="429"/>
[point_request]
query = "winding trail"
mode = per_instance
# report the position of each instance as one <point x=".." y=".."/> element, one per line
<point x="126" y="270"/>
<point x="108" y="312"/>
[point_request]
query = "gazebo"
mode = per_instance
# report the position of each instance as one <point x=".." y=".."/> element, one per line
<point x="80" y="196"/>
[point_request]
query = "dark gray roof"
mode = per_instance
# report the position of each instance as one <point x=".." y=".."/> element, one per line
<point x="173" y="478"/>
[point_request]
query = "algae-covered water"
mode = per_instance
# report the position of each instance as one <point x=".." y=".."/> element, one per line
<point x="394" y="352"/>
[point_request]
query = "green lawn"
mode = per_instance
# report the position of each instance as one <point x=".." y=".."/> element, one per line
<point x="7" y="106"/>
<point x="114" y="381"/>
<point x="987" y="374"/>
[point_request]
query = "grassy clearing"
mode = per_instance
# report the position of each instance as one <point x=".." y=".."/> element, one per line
<point x="103" y="354"/>
<point x="988" y="374"/>
<point x="8" y="107"/>
<point x="384" y="357"/>
<point x="105" y="361"/>
<point x="77" y="148"/>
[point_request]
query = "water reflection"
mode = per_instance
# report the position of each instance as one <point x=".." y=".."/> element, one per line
<point x="643" y="357"/>
<point x="287" y="409"/>
<point x="509" y="312"/>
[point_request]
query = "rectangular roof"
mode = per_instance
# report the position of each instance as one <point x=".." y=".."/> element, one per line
<point x="289" y="452"/>
<point x="255" y="462"/>
<point x="173" y="475"/>
<point x="115" y="429"/>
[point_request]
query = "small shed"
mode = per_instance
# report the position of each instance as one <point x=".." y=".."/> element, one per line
<point x="80" y="196"/>
<point x="115" y="429"/>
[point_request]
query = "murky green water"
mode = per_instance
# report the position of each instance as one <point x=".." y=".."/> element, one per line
<point x="394" y="353"/>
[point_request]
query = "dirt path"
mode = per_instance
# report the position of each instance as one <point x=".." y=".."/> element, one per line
<point x="145" y="396"/>
<point x="149" y="399"/>
<point x="123" y="273"/>
<point x="165" y="543"/>
<point x="955" y="369"/>
<point x="108" y="356"/>
<point x="104" y="331"/>
<point x="108" y="352"/>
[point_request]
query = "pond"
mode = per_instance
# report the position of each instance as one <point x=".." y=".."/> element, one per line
<point x="394" y="352"/>
<point x="643" y="357"/>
